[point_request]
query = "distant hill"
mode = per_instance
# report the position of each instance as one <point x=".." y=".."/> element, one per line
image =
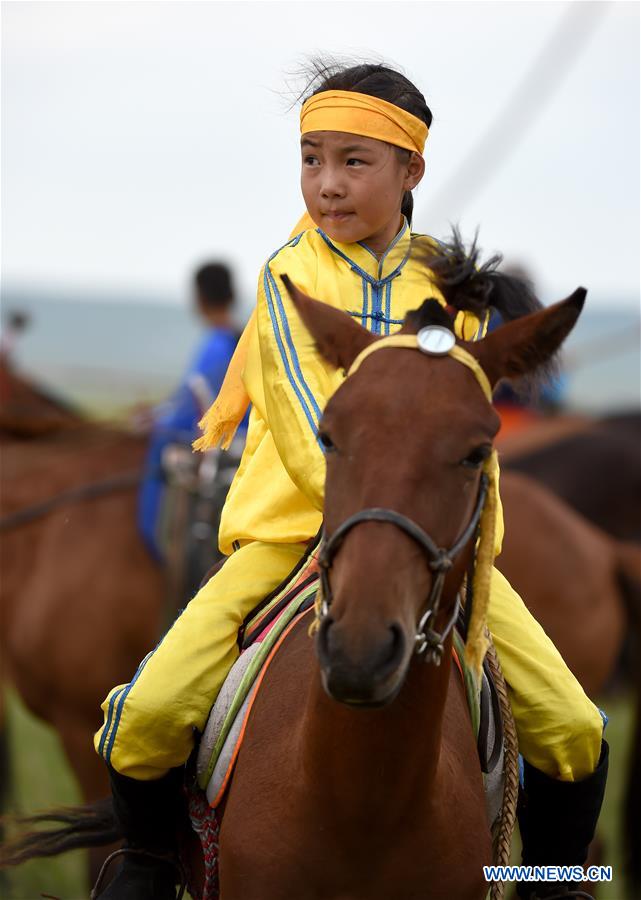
<point x="108" y="353"/>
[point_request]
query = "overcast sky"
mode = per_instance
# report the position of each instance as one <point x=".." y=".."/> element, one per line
<point x="141" y="138"/>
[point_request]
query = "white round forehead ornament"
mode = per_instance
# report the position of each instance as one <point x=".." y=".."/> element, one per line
<point x="436" y="340"/>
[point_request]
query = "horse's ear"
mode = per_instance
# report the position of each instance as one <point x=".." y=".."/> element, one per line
<point x="338" y="337"/>
<point x="523" y="345"/>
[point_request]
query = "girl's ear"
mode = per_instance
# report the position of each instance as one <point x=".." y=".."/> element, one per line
<point x="415" y="171"/>
<point x="338" y="337"/>
<point x="531" y="342"/>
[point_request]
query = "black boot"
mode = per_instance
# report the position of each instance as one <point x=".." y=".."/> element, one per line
<point x="557" y="821"/>
<point x="149" y="813"/>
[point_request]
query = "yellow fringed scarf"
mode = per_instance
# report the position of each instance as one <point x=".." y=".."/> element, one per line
<point x="221" y="421"/>
<point x="477" y="640"/>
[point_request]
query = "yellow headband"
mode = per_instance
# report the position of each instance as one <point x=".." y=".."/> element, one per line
<point x="477" y="640"/>
<point x="357" y="113"/>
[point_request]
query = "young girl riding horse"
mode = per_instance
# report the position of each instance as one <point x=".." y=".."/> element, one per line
<point x="363" y="132"/>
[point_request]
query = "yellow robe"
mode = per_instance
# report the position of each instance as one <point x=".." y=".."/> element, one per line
<point x="277" y="494"/>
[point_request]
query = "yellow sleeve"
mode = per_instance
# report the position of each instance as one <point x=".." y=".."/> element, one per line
<point x="296" y="382"/>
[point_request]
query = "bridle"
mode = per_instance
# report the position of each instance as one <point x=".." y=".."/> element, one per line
<point x="433" y="341"/>
<point x="428" y="641"/>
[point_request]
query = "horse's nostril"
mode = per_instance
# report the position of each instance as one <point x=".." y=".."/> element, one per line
<point x="323" y="638"/>
<point x="383" y="656"/>
<point x="396" y="646"/>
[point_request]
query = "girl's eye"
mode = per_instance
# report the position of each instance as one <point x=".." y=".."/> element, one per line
<point x="310" y="161"/>
<point x="477" y="457"/>
<point x="326" y="442"/>
<point x="355" y="162"/>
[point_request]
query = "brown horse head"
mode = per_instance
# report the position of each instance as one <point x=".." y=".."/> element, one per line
<point x="407" y="432"/>
<point x="27" y="410"/>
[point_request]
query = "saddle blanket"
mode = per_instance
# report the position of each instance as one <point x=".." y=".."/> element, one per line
<point x="262" y="636"/>
<point x="264" y="633"/>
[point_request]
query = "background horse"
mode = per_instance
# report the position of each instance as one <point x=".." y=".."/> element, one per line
<point x="80" y="597"/>
<point x="593" y="466"/>
<point x="581" y="584"/>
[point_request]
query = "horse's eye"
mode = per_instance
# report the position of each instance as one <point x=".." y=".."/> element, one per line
<point x="477" y="457"/>
<point x="326" y="442"/>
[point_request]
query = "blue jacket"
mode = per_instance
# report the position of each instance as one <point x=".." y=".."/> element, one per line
<point x="176" y="421"/>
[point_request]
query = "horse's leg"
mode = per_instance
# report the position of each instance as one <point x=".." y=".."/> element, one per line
<point x="90" y="770"/>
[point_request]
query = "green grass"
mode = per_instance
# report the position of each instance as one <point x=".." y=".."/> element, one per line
<point x="41" y="778"/>
<point x="618" y="734"/>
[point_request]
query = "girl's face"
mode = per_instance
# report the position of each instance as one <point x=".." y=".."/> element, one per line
<point x="353" y="186"/>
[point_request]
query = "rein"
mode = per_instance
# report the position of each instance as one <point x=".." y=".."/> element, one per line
<point x="440" y="560"/>
<point x="85" y="492"/>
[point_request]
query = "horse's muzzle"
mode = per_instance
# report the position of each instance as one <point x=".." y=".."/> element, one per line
<point x="368" y="676"/>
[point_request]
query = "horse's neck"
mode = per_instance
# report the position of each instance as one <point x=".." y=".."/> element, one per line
<point x="364" y="761"/>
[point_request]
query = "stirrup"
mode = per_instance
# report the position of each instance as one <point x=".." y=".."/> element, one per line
<point x="147" y="854"/>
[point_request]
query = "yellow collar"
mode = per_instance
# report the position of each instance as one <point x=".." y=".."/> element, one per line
<point x="364" y="260"/>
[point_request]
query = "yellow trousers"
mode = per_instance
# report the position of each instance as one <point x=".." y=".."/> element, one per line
<point x="149" y="723"/>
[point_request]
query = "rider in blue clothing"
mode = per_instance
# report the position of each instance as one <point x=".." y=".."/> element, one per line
<point x="176" y="420"/>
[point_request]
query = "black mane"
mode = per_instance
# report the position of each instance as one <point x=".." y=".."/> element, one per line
<point x="430" y="313"/>
<point x="479" y="288"/>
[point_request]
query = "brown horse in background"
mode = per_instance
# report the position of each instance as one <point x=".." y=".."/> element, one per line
<point x="581" y="584"/>
<point x="80" y="597"/>
<point x="595" y="466"/>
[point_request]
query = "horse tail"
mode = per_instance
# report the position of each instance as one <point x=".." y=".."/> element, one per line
<point x="629" y="576"/>
<point x="93" y="825"/>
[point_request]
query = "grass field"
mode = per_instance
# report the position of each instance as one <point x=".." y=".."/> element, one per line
<point x="40" y="778"/>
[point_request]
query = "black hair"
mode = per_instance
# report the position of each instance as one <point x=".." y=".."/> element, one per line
<point x="213" y="282"/>
<point x="376" y="80"/>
